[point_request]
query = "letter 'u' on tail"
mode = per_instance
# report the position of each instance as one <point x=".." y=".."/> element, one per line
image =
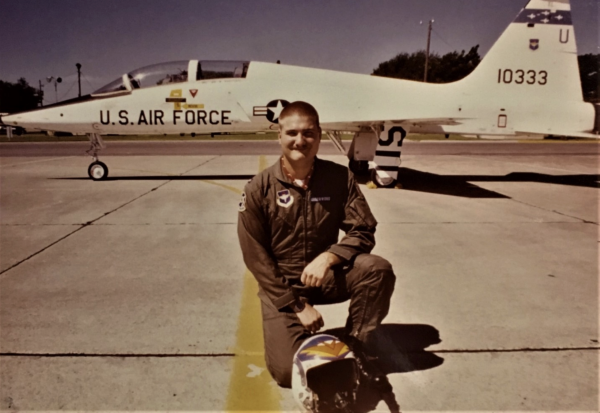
<point x="538" y="51"/>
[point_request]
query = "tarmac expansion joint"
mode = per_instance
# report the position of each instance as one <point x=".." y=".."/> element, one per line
<point x="92" y="222"/>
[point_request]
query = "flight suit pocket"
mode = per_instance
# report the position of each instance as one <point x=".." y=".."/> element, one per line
<point x="361" y="211"/>
<point x="286" y="218"/>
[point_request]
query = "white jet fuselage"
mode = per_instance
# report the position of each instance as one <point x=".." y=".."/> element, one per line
<point x="345" y="101"/>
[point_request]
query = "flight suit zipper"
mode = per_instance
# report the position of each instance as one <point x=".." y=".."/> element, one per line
<point x="304" y="208"/>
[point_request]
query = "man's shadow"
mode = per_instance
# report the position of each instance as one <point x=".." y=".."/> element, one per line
<point x="400" y="349"/>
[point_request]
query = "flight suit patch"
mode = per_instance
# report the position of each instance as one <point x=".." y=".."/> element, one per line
<point x="242" y="204"/>
<point x="285" y="198"/>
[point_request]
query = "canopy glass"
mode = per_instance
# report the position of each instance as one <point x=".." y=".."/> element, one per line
<point x="175" y="72"/>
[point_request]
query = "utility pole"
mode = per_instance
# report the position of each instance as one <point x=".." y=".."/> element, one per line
<point x="41" y="94"/>
<point x="78" y="65"/>
<point x="427" y="52"/>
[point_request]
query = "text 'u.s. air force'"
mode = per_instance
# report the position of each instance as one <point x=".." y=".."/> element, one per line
<point x="157" y="117"/>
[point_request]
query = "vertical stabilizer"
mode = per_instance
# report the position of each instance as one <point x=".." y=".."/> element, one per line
<point x="535" y="56"/>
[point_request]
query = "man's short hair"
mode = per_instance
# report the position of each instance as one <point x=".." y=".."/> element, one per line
<point x="300" y="108"/>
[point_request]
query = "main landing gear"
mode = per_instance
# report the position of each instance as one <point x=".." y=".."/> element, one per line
<point x="377" y="147"/>
<point x="97" y="170"/>
<point x="382" y="179"/>
<point x="359" y="168"/>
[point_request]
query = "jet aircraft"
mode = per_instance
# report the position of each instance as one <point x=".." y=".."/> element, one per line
<point x="527" y="84"/>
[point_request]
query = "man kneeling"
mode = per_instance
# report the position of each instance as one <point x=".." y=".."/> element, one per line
<point x="288" y="226"/>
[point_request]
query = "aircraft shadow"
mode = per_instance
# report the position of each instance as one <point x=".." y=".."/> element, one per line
<point x="401" y="349"/>
<point x="463" y="185"/>
<point x="171" y="178"/>
<point x="412" y="180"/>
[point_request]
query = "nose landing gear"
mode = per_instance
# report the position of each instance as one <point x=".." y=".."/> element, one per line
<point x="97" y="170"/>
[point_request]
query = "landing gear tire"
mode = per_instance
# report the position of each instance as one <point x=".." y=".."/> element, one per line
<point x="98" y="171"/>
<point x="382" y="181"/>
<point x="359" y="167"/>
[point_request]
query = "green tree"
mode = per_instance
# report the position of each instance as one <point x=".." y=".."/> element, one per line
<point x="589" y="68"/>
<point x="450" y="67"/>
<point x="17" y="97"/>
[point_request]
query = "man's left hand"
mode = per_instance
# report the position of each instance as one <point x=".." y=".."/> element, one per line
<point x="315" y="272"/>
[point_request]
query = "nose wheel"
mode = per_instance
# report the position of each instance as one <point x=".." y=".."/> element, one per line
<point x="98" y="171"/>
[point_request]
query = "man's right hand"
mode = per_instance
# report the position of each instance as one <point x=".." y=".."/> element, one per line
<point x="310" y="318"/>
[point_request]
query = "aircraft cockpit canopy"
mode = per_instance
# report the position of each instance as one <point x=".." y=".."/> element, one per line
<point x="174" y="72"/>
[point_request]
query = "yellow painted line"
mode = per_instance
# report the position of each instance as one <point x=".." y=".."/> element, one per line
<point x="251" y="387"/>
<point x="262" y="163"/>
<point x="231" y="188"/>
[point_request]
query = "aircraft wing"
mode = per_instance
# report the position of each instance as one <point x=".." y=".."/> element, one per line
<point x="352" y="126"/>
<point x="561" y="133"/>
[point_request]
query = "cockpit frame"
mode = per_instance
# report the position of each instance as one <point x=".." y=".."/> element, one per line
<point x="173" y="72"/>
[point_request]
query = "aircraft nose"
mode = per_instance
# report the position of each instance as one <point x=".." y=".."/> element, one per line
<point x="49" y="117"/>
<point x="6" y="120"/>
<point x="39" y="118"/>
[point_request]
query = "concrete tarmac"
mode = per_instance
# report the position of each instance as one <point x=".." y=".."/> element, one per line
<point x="131" y="294"/>
<point x="271" y="147"/>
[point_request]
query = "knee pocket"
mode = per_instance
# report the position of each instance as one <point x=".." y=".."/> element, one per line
<point x="374" y="264"/>
<point x="378" y="271"/>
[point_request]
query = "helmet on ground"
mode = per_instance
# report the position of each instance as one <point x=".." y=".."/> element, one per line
<point x="325" y="374"/>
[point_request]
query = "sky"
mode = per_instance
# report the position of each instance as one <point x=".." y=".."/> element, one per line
<point x="42" y="38"/>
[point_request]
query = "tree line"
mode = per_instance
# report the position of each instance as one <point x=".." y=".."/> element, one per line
<point x="19" y="96"/>
<point x="450" y="67"/>
<point x="453" y="66"/>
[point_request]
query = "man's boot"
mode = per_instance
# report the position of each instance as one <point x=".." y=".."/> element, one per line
<point x="369" y="366"/>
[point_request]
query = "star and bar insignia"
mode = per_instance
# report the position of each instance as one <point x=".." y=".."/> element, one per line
<point x="271" y="111"/>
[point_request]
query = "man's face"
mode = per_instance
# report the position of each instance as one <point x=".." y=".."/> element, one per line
<point x="299" y="137"/>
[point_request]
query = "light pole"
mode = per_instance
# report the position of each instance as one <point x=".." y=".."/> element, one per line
<point x="78" y="65"/>
<point x="56" y="81"/>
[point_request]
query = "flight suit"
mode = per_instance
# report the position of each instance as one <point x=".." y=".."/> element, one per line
<point x="283" y="227"/>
